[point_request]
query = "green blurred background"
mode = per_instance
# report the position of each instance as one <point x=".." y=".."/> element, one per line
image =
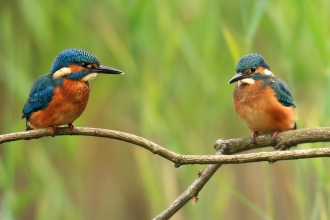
<point x="178" y="56"/>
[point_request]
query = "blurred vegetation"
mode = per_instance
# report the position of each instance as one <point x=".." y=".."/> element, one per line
<point x="178" y="57"/>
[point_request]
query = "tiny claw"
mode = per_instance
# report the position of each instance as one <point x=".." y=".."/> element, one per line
<point x="254" y="137"/>
<point x="52" y="129"/>
<point x="72" y="128"/>
<point x="272" y="161"/>
<point x="194" y="200"/>
<point x="177" y="165"/>
<point x="274" y="135"/>
<point x="281" y="147"/>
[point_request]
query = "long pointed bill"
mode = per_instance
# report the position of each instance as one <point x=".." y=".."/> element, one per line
<point x="237" y="77"/>
<point x="107" y="70"/>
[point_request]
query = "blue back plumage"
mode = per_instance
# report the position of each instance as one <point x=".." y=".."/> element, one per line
<point x="41" y="94"/>
<point x="72" y="56"/>
<point x="282" y="90"/>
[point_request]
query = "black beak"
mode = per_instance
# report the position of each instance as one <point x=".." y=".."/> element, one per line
<point x="237" y="77"/>
<point x="106" y="70"/>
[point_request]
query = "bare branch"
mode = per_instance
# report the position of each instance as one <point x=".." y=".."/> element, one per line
<point x="271" y="157"/>
<point x="289" y="138"/>
<point x="191" y="192"/>
<point x="284" y="140"/>
<point x="96" y="132"/>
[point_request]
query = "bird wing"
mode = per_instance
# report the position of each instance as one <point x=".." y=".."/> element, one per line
<point x="40" y="96"/>
<point x="283" y="92"/>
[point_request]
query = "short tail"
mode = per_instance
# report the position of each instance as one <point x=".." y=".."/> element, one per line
<point x="28" y="128"/>
<point x="294" y="128"/>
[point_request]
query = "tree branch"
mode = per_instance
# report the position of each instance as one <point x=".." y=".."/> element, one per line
<point x="191" y="192"/>
<point x="284" y="140"/>
<point x="289" y="138"/>
<point x="96" y="132"/>
<point x="271" y="157"/>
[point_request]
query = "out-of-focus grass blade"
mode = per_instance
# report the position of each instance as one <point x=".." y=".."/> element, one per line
<point x="231" y="43"/>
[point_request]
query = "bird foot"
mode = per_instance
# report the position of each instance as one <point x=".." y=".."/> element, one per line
<point x="72" y="128"/>
<point x="52" y="129"/>
<point x="281" y="147"/>
<point x="274" y="135"/>
<point x="254" y="137"/>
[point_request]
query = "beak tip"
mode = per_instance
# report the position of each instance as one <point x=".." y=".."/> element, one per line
<point x="108" y="70"/>
<point x="237" y="77"/>
<point x="231" y="81"/>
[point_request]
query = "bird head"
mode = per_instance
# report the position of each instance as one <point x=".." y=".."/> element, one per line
<point x="249" y="65"/>
<point x="79" y="65"/>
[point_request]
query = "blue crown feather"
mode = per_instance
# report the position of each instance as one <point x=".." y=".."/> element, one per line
<point x="249" y="61"/>
<point x="72" y="56"/>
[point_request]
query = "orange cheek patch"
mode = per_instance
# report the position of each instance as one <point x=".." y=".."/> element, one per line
<point x="92" y="66"/>
<point x="260" y="70"/>
<point x="75" y="68"/>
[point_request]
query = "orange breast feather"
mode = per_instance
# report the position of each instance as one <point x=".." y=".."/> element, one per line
<point x="260" y="109"/>
<point x="67" y="104"/>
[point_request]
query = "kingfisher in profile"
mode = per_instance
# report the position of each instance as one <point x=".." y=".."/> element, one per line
<point x="60" y="97"/>
<point x="261" y="100"/>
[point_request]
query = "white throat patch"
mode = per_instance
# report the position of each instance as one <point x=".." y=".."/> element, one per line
<point x="89" y="77"/>
<point x="246" y="81"/>
<point x="61" y="72"/>
<point x="268" y="72"/>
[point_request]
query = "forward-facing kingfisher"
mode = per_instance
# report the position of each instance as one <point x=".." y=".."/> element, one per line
<point x="261" y="100"/>
<point x="60" y="97"/>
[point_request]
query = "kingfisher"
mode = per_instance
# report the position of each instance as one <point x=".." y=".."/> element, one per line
<point x="60" y="97"/>
<point x="261" y="100"/>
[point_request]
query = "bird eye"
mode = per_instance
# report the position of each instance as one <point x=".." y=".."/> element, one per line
<point x="84" y="65"/>
<point x="253" y="69"/>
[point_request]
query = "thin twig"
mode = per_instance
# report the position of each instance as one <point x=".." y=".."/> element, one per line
<point x="191" y="192"/>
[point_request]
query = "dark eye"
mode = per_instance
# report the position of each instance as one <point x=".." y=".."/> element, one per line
<point x="85" y="65"/>
<point x="253" y="69"/>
